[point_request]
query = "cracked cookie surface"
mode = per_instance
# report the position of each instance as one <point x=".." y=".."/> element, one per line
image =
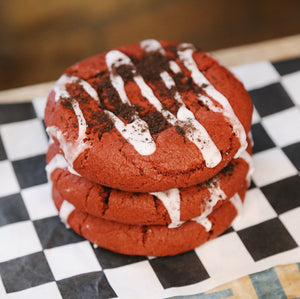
<point x="148" y="117"/>
<point x="152" y="240"/>
<point x="145" y="208"/>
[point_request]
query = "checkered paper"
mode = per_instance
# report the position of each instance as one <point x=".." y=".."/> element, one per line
<point x="40" y="258"/>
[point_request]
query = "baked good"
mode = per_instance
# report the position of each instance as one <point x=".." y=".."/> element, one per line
<point x="169" y="207"/>
<point x="151" y="240"/>
<point x="149" y="147"/>
<point x="159" y="115"/>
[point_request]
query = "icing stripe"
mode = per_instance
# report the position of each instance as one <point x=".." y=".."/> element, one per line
<point x="61" y="91"/>
<point x="171" y="201"/>
<point x="136" y="133"/>
<point x="195" y="132"/>
<point x="205" y="222"/>
<point x="174" y="67"/>
<point x="169" y="82"/>
<point x="71" y="149"/>
<point x="216" y="194"/>
<point x="248" y="159"/>
<point x="116" y="58"/>
<point x="185" y="53"/>
<point x="237" y="203"/>
<point x="251" y="138"/>
<point x="58" y="161"/>
<point x="209" y="103"/>
<point x="152" y="45"/>
<point x="147" y="92"/>
<point x="65" y="210"/>
<point x="81" y="120"/>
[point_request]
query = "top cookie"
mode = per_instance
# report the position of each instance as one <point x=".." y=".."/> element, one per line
<point x="149" y="116"/>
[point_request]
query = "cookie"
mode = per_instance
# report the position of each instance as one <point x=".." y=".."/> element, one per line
<point x="169" y="207"/>
<point x="149" y="117"/>
<point x="153" y="240"/>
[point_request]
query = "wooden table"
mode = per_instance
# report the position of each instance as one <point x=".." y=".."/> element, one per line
<point x="271" y="50"/>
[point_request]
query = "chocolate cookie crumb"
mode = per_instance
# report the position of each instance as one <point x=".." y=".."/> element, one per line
<point x="125" y="71"/>
<point x="228" y="170"/>
<point x="180" y="131"/>
<point x="151" y="65"/>
<point x="156" y="122"/>
<point x="66" y="103"/>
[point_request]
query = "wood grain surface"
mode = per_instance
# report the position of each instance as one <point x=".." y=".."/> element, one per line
<point x="272" y="50"/>
<point x="39" y="39"/>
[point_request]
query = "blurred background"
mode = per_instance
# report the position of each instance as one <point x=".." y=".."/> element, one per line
<point x="39" y="39"/>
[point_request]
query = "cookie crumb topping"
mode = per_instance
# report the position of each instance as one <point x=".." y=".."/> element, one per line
<point x="164" y="77"/>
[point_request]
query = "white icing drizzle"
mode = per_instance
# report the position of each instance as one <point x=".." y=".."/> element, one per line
<point x="251" y="138"/>
<point x="58" y="161"/>
<point x="185" y="53"/>
<point x="216" y="194"/>
<point x="205" y="222"/>
<point x="81" y="120"/>
<point x="169" y="82"/>
<point x="71" y="149"/>
<point x="198" y="135"/>
<point x="171" y="200"/>
<point x="61" y="91"/>
<point x="194" y="131"/>
<point x="209" y="103"/>
<point x="248" y="159"/>
<point x="174" y="67"/>
<point x="147" y="92"/>
<point x="152" y="45"/>
<point x="65" y="210"/>
<point x="59" y="87"/>
<point x="136" y="133"/>
<point x="237" y="203"/>
<point x="116" y="58"/>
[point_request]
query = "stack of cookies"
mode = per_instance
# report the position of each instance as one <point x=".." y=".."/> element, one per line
<point x="149" y="150"/>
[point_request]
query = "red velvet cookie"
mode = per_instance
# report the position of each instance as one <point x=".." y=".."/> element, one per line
<point x="159" y="208"/>
<point x="154" y="240"/>
<point x="149" y="117"/>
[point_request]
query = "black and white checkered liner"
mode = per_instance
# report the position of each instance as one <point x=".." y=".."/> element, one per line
<point x="40" y="258"/>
